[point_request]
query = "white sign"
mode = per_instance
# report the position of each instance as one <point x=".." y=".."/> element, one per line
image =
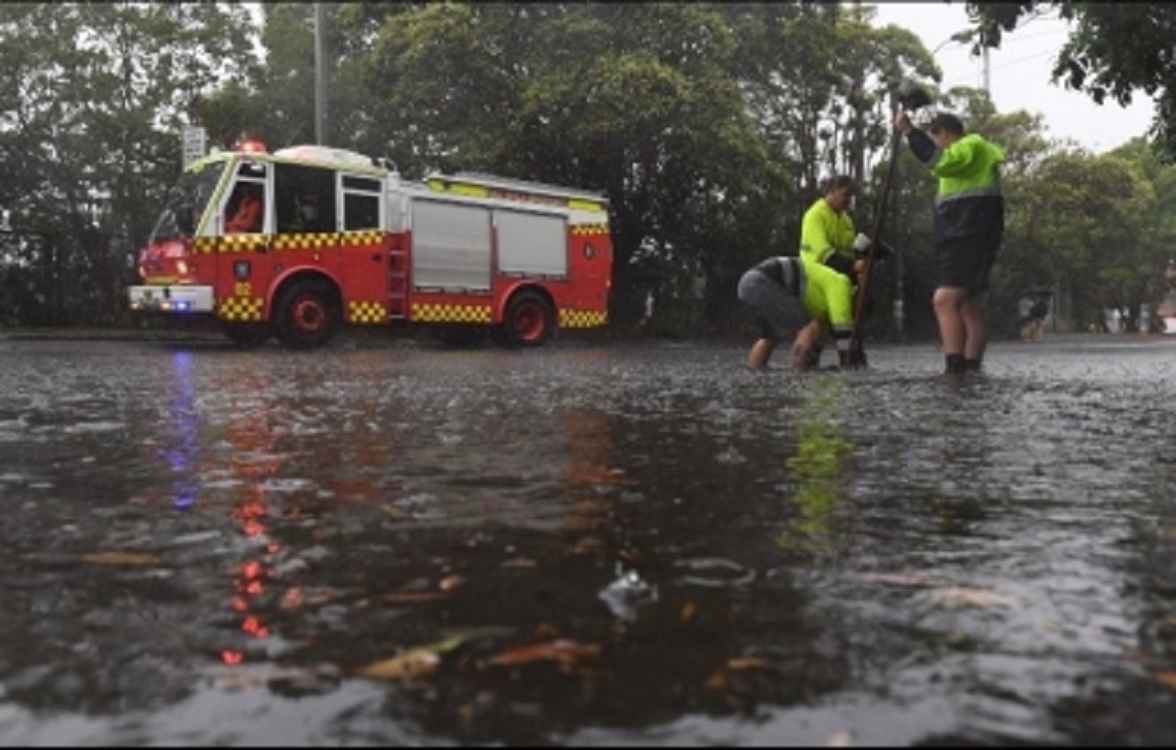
<point x="194" y="142"/>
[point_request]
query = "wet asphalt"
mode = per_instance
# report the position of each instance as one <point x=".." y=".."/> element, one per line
<point x="590" y="544"/>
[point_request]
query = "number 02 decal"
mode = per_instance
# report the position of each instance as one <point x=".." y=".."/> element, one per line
<point x="243" y="289"/>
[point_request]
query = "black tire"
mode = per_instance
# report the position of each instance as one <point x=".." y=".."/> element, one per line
<point x="307" y="315"/>
<point x="247" y="335"/>
<point x="529" y="320"/>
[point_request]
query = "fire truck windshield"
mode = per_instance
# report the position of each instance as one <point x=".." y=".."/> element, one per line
<point x="186" y="202"/>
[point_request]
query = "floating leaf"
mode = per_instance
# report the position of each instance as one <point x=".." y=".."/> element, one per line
<point x="719" y="680"/>
<point x="899" y="579"/>
<point x="962" y="596"/>
<point x="298" y="597"/>
<point x="119" y="558"/>
<point x="1167" y="679"/>
<point x="562" y="650"/>
<point x="414" y="662"/>
<point x="414" y="597"/>
<point x="450" y="582"/>
<point x="746" y="662"/>
<point x="689" y="611"/>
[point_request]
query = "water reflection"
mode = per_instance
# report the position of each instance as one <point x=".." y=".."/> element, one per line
<point x="252" y="436"/>
<point x="183" y="454"/>
<point x="818" y="464"/>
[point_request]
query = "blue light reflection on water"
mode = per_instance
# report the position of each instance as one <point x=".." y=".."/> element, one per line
<point x="181" y="456"/>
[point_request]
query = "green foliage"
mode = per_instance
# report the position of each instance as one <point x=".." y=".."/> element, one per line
<point x="1116" y="51"/>
<point x="91" y="105"/>
<point x="710" y="126"/>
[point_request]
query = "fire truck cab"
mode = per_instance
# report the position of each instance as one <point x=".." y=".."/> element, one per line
<point x="308" y="238"/>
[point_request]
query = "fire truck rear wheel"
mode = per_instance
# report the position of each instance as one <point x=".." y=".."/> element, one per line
<point x="307" y="315"/>
<point x="529" y="320"/>
<point x="247" y="334"/>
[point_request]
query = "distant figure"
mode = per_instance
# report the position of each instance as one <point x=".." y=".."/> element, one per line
<point x="646" y="314"/>
<point x="1037" y="315"/>
<point x="1025" y="310"/>
<point x="250" y="212"/>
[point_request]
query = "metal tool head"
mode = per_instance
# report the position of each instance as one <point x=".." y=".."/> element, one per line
<point x="911" y="96"/>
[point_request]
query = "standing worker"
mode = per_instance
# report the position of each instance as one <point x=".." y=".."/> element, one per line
<point x="969" y="227"/>
<point x="788" y="297"/>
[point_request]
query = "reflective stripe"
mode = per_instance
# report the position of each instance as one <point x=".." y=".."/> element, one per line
<point x="990" y="190"/>
<point x="793" y="278"/>
<point x="842" y="335"/>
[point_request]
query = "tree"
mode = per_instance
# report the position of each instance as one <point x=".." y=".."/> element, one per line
<point x="1116" y="50"/>
<point x="92" y="101"/>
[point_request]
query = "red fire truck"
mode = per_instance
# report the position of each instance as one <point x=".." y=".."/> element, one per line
<point x="296" y="242"/>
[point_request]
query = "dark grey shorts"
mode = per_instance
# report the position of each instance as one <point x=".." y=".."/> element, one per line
<point x="777" y="314"/>
<point x="967" y="261"/>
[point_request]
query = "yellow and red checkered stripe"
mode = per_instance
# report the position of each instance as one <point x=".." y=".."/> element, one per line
<point x="246" y="243"/>
<point x="589" y="229"/>
<point x="240" y="308"/>
<point x="366" y="312"/>
<point x="582" y="318"/>
<point x="432" y="312"/>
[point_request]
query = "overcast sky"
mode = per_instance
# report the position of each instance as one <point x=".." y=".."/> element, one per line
<point x="1019" y="73"/>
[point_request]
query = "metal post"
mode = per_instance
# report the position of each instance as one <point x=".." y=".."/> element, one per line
<point x="320" y="76"/>
<point x="987" y="75"/>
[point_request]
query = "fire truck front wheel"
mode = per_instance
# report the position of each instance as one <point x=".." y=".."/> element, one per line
<point x="528" y="321"/>
<point x="307" y="315"/>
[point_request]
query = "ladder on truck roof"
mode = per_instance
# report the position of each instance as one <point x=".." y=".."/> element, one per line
<point x="521" y="188"/>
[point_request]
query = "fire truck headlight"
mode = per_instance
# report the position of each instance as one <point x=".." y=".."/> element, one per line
<point x="182" y="267"/>
<point x="241" y="270"/>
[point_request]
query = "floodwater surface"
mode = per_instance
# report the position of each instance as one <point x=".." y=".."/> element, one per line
<point x="586" y="545"/>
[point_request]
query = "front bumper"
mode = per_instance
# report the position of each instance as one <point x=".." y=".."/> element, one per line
<point x="171" y="299"/>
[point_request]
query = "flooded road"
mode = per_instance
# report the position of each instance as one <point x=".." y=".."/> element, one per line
<point x="586" y="545"/>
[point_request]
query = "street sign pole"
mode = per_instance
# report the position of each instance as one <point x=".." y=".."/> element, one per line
<point x="194" y="142"/>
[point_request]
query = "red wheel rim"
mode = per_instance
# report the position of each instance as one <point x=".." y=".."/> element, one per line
<point x="529" y="322"/>
<point x="308" y="315"/>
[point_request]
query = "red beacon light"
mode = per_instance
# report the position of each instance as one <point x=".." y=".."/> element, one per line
<point x="250" y="145"/>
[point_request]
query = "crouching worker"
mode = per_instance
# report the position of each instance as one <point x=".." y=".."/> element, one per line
<point x="790" y="299"/>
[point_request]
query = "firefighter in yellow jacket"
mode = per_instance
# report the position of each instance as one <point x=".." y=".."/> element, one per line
<point x="827" y="232"/>
<point x="829" y="241"/>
